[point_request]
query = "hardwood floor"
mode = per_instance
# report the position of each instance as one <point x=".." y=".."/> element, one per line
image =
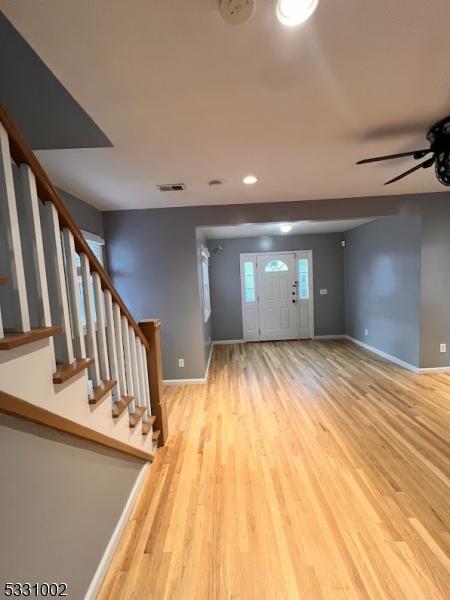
<point x="301" y="470"/>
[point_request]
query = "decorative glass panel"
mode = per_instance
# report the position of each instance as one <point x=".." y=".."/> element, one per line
<point x="303" y="265"/>
<point x="248" y="268"/>
<point x="303" y="268"/>
<point x="276" y="265"/>
<point x="250" y="295"/>
<point x="249" y="282"/>
<point x="304" y="292"/>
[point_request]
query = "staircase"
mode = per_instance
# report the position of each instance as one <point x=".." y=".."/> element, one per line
<point x="71" y="355"/>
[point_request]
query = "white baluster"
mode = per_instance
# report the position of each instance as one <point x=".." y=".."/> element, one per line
<point x="128" y="367"/>
<point x="101" y="334"/>
<point x="2" y="334"/>
<point x="33" y="252"/>
<point x="120" y="350"/>
<point x="13" y="295"/>
<point x="145" y="375"/>
<point x="111" y="343"/>
<point x="135" y="371"/>
<point x="74" y="293"/>
<point x="140" y="369"/>
<point x="94" y="373"/>
<point x="28" y="210"/>
<point x="59" y="304"/>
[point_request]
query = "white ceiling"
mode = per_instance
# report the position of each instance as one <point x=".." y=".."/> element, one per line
<point x="186" y="98"/>
<point x="269" y="229"/>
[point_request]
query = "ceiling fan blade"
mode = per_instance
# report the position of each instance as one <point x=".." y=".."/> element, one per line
<point x="415" y="153"/>
<point x="398" y="129"/>
<point x="425" y="165"/>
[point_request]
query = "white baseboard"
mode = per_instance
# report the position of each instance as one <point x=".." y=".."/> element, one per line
<point x="425" y="370"/>
<point x="199" y="380"/>
<point x="385" y="355"/>
<point x="111" y="548"/>
<point x="397" y="361"/>
<point x="339" y="336"/>
<point x="224" y="342"/>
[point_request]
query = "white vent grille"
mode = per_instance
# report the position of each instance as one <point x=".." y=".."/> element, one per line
<point x="171" y="187"/>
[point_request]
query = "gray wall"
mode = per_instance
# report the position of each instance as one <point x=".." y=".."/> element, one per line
<point x="46" y="114"/>
<point x="153" y="262"/>
<point x="86" y="216"/>
<point x="60" y="501"/>
<point x="382" y="285"/>
<point x="225" y="283"/>
<point x="435" y="284"/>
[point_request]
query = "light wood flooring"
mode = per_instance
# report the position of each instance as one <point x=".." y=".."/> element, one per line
<point x="301" y="470"/>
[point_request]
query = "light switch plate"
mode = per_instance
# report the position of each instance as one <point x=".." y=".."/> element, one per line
<point x="443" y="348"/>
<point x="323" y="292"/>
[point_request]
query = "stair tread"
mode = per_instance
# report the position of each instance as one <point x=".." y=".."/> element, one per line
<point x="66" y="372"/>
<point x="15" y="339"/>
<point x="156" y="434"/>
<point x="120" y="406"/>
<point x="136" y="416"/>
<point x="146" y="427"/>
<point x="101" y="391"/>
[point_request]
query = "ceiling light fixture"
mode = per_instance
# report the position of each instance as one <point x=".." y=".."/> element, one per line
<point x="236" y="12"/>
<point x="285" y="227"/>
<point x="250" y="180"/>
<point x="294" y="12"/>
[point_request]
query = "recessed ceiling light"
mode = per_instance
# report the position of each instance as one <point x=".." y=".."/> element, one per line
<point x="285" y="227"/>
<point x="294" y="12"/>
<point x="250" y="180"/>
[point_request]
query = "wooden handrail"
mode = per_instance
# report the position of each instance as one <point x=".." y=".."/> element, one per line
<point x="21" y="153"/>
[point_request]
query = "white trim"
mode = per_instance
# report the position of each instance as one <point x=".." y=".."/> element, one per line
<point x="430" y="370"/>
<point x="298" y="256"/>
<point x="397" y="361"/>
<point x="93" y="237"/>
<point x="209" y="362"/>
<point x="196" y="381"/>
<point x="339" y="336"/>
<point x="225" y="342"/>
<point x="385" y="355"/>
<point x="111" y="548"/>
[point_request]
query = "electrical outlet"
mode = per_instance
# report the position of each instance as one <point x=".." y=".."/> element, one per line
<point x="443" y="348"/>
<point x="366" y="332"/>
<point x="181" y="362"/>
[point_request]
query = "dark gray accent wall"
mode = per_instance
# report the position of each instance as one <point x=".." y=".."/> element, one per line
<point x="382" y="285"/>
<point x="328" y="266"/>
<point x="45" y="112"/>
<point x="86" y="216"/>
<point x="60" y="500"/>
<point x="153" y="261"/>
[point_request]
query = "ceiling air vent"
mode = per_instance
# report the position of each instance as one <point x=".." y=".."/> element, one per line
<point x="171" y="187"/>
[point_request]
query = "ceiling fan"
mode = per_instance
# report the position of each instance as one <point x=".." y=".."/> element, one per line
<point x="439" y="138"/>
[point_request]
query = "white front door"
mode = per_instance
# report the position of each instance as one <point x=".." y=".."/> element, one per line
<point x="277" y="295"/>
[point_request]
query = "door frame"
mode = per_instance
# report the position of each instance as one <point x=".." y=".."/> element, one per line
<point x="298" y="254"/>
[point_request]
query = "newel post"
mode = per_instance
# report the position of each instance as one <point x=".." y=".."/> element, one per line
<point x="151" y="330"/>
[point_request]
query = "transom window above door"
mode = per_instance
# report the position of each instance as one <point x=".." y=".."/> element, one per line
<point x="274" y="266"/>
